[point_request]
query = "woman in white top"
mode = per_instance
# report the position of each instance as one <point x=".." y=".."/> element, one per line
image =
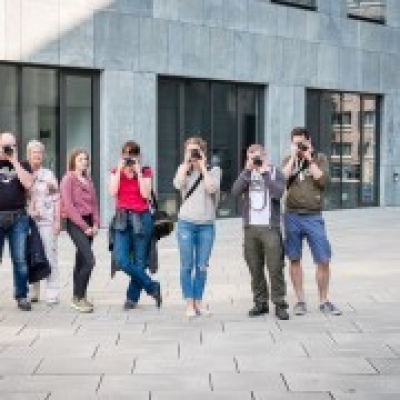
<point x="199" y="187"/>
<point x="44" y="208"/>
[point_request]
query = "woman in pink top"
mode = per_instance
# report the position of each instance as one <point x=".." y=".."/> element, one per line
<point x="130" y="185"/>
<point x="80" y="208"/>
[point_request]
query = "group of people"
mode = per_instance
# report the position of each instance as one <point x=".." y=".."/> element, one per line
<point x="30" y="192"/>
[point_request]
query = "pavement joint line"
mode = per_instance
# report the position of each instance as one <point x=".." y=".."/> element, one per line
<point x="77" y="329"/>
<point x="201" y="337"/>
<point x="74" y="319"/>
<point x="373" y="366"/>
<point x="36" y="369"/>
<point x="223" y="327"/>
<point x="133" y="366"/>
<point x="99" y="383"/>
<point x="144" y="330"/>
<point x="330" y="336"/>
<point x="95" y="352"/>
<point x="330" y="394"/>
<point x="235" y="360"/>
<point x="179" y="350"/>
<point x="392" y="350"/>
<point x="21" y="329"/>
<point x="34" y="340"/>
<point x="252" y="395"/>
<point x="273" y="338"/>
<point x="48" y="396"/>
<point x="285" y="382"/>
<point x="354" y="323"/>
<point x="210" y="382"/>
<point x="118" y="339"/>
<point x="352" y="308"/>
<point x="305" y="350"/>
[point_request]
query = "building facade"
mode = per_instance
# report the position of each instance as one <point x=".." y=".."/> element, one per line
<point x="95" y="73"/>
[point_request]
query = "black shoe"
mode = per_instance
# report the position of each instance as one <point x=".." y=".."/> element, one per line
<point x="259" y="309"/>
<point x="281" y="312"/>
<point x="130" y="305"/>
<point x="24" y="304"/>
<point x="157" y="295"/>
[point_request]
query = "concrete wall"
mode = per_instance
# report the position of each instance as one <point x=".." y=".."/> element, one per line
<point x="283" y="47"/>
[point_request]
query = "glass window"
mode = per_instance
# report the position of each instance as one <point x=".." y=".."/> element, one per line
<point x="333" y="119"/>
<point x="78" y="113"/>
<point x="40" y="110"/>
<point x="373" y="10"/>
<point x="8" y="99"/>
<point x="310" y="4"/>
<point x="224" y="114"/>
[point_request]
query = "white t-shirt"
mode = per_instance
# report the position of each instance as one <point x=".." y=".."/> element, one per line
<point x="259" y="200"/>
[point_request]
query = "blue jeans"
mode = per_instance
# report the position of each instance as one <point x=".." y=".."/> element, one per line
<point x="195" y="243"/>
<point x="131" y="252"/>
<point x="16" y="235"/>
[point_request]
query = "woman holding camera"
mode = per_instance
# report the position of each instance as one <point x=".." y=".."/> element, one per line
<point x="130" y="185"/>
<point x="200" y="188"/>
<point x="44" y="209"/>
<point x="80" y="208"/>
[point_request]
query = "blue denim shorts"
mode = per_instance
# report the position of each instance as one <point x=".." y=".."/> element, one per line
<point x="312" y="228"/>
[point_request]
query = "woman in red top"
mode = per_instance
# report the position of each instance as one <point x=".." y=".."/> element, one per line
<point x="130" y="185"/>
<point x="80" y="208"/>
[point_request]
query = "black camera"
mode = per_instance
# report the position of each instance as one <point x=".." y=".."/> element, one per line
<point x="195" y="154"/>
<point x="302" y="146"/>
<point x="257" y="161"/>
<point x="8" y="150"/>
<point x="128" y="161"/>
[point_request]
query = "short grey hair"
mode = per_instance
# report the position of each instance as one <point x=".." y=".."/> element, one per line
<point x="34" y="144"/>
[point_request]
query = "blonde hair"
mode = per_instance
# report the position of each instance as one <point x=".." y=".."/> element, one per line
<point x="197" y="140"/>
<point x="34" y="144"/>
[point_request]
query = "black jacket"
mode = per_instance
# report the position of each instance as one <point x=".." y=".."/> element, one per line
<point x="36" y="259"/>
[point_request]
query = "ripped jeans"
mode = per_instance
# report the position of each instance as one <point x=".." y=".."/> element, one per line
<point x="195" y="243"/>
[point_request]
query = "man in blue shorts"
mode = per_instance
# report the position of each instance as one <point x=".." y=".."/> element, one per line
<point x="306" y="176"/>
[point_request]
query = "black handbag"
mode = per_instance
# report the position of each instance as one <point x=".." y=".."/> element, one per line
<point x="163" y="223"/>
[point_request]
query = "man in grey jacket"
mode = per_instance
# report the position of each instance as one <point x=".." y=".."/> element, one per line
<point x="261" y="186"/>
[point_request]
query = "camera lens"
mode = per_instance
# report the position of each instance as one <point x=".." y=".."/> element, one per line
<point x="257" y="161"/>
<point x="195" y="153"/>
<point x="8" y="150"/>
<point x="129" y="161"/>
<point x="302" y="146"/>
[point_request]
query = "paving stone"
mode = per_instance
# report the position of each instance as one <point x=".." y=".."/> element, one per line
<point x="344" y="383"/>
<point x="123" y="385"/>
<point x="313" y="365"/>
<point x="251" y="381"/>
<point x="291" y="396"/>
<point x="24" y="396"/>
<point x="386" y="366"/>
<point x="201" y="396"/>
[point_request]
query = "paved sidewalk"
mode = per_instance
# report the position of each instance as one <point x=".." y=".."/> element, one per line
<point x="57" y="354"/>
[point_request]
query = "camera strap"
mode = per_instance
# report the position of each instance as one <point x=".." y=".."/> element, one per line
<point x="293" y="177"/>
<point x="193" y="188"/>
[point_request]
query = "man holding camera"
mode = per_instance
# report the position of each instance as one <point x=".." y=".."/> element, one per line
<point x="261" y="187"/>
<point x="15" y="179"/>
<point x="307" y="175"/>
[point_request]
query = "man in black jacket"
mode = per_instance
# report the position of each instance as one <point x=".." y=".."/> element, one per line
<point x="15" y="179"/>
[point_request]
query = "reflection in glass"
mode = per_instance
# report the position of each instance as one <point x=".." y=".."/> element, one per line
<point x="344" y="128"/>
<point x="40" y="110"/>
<point x="374" y="10"/>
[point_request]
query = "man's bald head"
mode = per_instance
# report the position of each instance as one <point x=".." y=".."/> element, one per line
<point x="7" y="138"/>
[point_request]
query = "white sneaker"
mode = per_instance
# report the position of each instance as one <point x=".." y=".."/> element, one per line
<point x="52" y="301"/>
<point x="190" y="312"/>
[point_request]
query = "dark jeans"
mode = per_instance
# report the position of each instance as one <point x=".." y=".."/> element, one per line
<point x="16" y="235"/>
<point x="263" y="245"/>
<point x="131" y="252"/>
<point x="84" y="258"/>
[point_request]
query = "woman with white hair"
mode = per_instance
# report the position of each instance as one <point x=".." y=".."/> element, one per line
<point x="44" y="208"/>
